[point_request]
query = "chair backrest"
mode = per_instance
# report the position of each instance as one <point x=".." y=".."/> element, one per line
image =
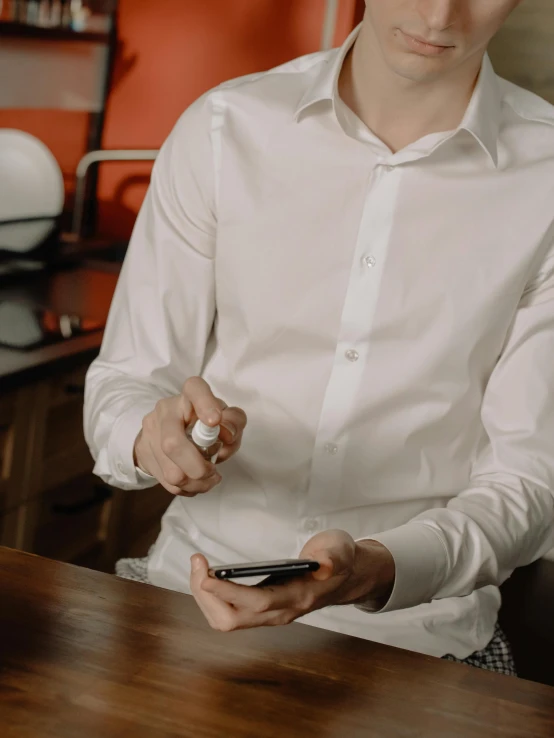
<point x="523" y="51"/>
<point x="527" y="616"/>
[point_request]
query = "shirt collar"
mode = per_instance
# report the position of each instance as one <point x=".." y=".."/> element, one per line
<point x="481" y="119"/>
<point x="326" y="84"/>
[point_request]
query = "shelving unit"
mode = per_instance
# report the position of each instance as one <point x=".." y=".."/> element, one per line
<point x="9" y="29"/>
<point x="109" y="40"/>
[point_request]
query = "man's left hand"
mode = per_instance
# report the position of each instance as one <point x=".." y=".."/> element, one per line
<point x="349" y="573"/>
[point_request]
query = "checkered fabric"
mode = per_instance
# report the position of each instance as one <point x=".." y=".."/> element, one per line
<point x="134" y="569"/>
<point x="497" y="656"/>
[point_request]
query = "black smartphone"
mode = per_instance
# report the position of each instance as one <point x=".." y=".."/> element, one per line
<point x="274" y="569"/>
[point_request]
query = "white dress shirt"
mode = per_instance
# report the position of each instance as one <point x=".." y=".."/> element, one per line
<point x="385" y="320"/>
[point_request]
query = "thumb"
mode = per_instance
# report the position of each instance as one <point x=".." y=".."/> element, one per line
<point x="206" y="406"/>
<point x="199" y="566"/>
<point x="333" y="550"/>
<point x="327" y="559"/>
<point x="326" y="565"/>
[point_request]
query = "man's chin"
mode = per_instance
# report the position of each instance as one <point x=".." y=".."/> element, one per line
<point x="417" y="69"/>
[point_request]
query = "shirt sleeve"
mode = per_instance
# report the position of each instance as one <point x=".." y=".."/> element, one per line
<point x="163" y="309"/>
<point x="505" y="519"/>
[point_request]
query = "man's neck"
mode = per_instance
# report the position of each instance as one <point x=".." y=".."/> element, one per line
<point x="398" y="110"/>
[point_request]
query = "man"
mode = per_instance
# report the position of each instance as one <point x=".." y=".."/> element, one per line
<point x="356" y="251"/>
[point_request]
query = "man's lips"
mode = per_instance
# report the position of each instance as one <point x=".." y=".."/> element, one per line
<point x="421" y="46"/>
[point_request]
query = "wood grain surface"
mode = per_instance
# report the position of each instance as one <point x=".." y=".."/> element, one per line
<point x="87" y="655"/>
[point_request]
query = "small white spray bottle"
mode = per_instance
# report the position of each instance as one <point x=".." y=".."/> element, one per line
<point x="206" y="440"/>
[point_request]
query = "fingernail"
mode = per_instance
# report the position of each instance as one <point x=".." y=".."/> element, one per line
<point x="195" y="562"/>
<point x="213" y="415"/>
<point x="230" y="427"/>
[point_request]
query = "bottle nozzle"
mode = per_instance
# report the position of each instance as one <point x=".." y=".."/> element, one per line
<point x="204" y="435"/>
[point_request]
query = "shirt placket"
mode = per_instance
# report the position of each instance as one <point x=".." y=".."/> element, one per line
<point x="352" y="350"/>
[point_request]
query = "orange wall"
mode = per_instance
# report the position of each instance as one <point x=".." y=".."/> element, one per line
<point x="171" y="52"/>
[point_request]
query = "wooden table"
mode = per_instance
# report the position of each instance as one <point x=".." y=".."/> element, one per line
<point x="88" y="655"/>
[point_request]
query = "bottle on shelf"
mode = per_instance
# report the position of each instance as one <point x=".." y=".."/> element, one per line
<point x="44" y="14"/>
<point x="79" y="15"/>
<point x="56" y="14"/>
<point x="66" y="13"/>
<point x="32" y="12"/>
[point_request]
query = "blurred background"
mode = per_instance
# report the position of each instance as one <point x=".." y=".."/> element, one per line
<point x="84" y="85"/>
<point x="89" y="90"/>
<point x="165" y="54"/>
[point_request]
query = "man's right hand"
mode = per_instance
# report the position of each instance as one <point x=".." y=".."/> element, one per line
<point x="163" y="450"/>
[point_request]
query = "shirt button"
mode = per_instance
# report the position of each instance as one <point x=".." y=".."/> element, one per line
<point x="352" y="355"/>
<point x="387" y="168"/>
<point x="331" y="449"/>
<point x="120" y="467"/>
<point x="311" y="525"/>
<point x="370" y="261"/>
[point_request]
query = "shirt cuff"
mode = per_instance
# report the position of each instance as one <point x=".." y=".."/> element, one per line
<point x="144" y="477"/>
<point x="421" y="563"/>
<point x="121" y="447"/>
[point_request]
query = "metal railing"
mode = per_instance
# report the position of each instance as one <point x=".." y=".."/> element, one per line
<point x="83" y="168"/>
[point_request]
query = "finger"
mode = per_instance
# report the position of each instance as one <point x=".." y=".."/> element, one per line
<point x="177" y="483"/>
<point x="326" y="567"/>
<point x="189" y="413"/>
<point x="195" y="488"/>
<point x="264" y="606"/>
<point x="157" y="472"/>
<point x="186" y="410"/>
<point x="233" y="618"/>
<point x="219" y="615"/>
<point x="206" y="405"/>
<point x="291" y="595"/>
<point x="238" y="595"/>
<point x="253" y="607"/>
<point x="179" y="450"/>
<point x="216" y="613"/>
<point x="334" y="550"/>
<point x="228" y="451"/>
<point x="233" y="423"/>
<point x="172" y="473"/>
<point x="298" y="594"/>
<point x="170" y="440"/>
